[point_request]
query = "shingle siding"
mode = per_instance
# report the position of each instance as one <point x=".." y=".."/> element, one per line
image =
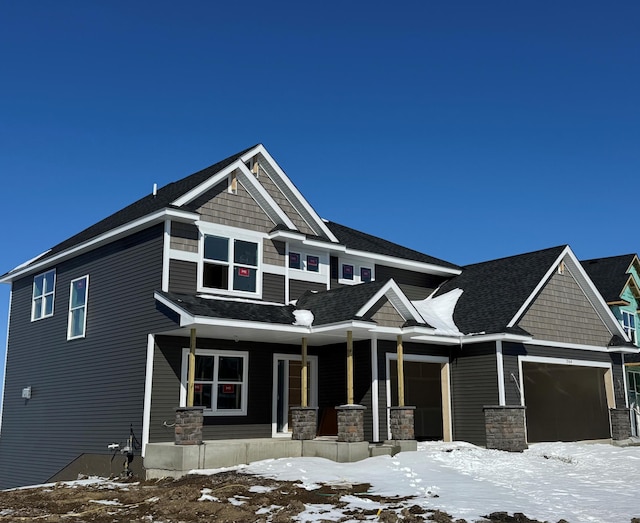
<point x="85" y="392"/>
<point x="474" y="384"/>
<point x="385" y="314"/>
<point x="274" y="252"/>
<point x="561" y="312"/>
<point x="184" y="237"/>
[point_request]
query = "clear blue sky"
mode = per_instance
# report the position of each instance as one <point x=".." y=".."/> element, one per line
<point x="468" y="130"/>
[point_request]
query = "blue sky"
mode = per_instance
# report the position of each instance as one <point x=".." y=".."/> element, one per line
<point x="467" y="130"/>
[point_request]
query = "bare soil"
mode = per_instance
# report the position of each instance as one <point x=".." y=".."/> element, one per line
<point x="179" y="501"/>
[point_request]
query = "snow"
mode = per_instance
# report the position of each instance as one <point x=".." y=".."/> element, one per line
<point x="575" y="481"/>
<point x="303" y="317"/>
<point x="438" y="312"/>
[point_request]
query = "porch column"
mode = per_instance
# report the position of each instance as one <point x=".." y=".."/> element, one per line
<point x="399" y="351"/>
<point x="191" y="378"/>
<point x="303" y="382"/>
<point x="350" y="400"/>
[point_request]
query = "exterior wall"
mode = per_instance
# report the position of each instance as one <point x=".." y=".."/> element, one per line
<point x="385" y="347"/>
<point x="474" y="385"/>
<point x="273" y="287"/>
<point x="235" y="210"/>
<point x="563" y="313"/>
<point x="183" y="276"/>
<point x="415" y="285"/>
<point x="386" y="315"/>
<point x="274" y="252"/>
<point x="85" y="392"/>
<point x="297" y="288"/>
<point x="166" y="389"/>
<point x="184" y="237"/>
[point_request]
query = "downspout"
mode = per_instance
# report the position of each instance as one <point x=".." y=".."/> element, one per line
<point x="192" y="368"/>
<point x="500" y="369"/>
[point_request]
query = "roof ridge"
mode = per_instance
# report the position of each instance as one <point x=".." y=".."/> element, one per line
<point x="514" y="256"/>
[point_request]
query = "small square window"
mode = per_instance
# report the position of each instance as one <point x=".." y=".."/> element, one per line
<point x="313" y="263"/>
<point x="365" y="274"/>
<point x="294" y="260"/>
<point x="347" y="272"/>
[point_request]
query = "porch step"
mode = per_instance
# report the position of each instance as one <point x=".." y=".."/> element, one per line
<point x="383" y="449"/>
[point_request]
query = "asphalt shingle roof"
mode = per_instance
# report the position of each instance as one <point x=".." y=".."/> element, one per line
<point x="366" y="242"/>
<point x="146" y="205"/>
<point x="339" y="304"/>
<point x="609" y="274"/>
<point x="496" y="289"/>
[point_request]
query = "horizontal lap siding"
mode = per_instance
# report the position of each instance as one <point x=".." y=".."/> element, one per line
<point x="415" y="285"/>
<point x="273" y="287"/>
<point x="297" y="288"/>
<point x="183" y="276"/>
<point x="85" y="392"/>
<point x="474" y="384"/>
<point x="166" y="389"/>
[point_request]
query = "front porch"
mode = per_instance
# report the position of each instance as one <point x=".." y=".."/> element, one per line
<point x="170" y="460"/>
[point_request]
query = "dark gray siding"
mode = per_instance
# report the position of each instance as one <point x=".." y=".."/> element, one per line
<point x="85" y="392"/>
<point x="510" y="353"/>
<point x="474" y="384"/>
<point x="333" y="272"/>
<point x="183" y="276"/>
<point x="273" y="287"/>
<point x="415" y="285"/>
<point x="297" y="288"/>
<point x="166" y="389"/>
<point x="385" y="347"/>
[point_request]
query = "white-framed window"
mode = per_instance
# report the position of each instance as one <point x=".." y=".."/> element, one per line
<point x="230" y="264"/>
<point x="220" y="384"/>
<point x="352" y="272"/>
<point x="43" y="295"/>
<point x="629" y="324"/>
<point x="78" y="308"/>
<point x="304" y="262"/>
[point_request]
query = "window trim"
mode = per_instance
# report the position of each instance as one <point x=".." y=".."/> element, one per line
<point x="232" y="235"/>
<point x="42" y="296"/>
<point x="357" y="271"/>
<point x="217" y="353"/>
<point x="303" y="260"/>
<point x="630" y="331"/>
<point x="71" y="308"/>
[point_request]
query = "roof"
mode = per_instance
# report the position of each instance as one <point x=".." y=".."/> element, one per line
<point x="495" y="290"/>
<point x="146" y="205"/>
<point x="609" y="275"/>
<point x="361" y="241"/>
<point x="340" y="304"/>
<point x="232" y="310"/>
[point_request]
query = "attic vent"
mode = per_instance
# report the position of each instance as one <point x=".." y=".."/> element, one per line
<point x="233" y="183"/>
<point x="255" y="168"/>
<point x="561" y="268"/>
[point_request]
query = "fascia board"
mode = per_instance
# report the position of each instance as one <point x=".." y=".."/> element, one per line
<point x="250" y="325"/>
<point x="391" y="288"/>
<point x="342" y="326"/>
<point x="402" y="263"/>
<point x="434" y="338"/>
<point x="210" y="182"/>
<point x="286" y="235"/>
<point x="274" y="209"/>
<point x="185" y="317"/>
<point x="316" y="244"/>
<point x="501" y="336"/>
<point x="579" y="346"/>
<point x="538" y="287"/>
<point x="285" y="179"/>
<point x="112" y="235"/>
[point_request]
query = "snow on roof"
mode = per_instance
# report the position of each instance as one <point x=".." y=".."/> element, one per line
<point x="303" y="317"/>
<point x="438" y="312"/>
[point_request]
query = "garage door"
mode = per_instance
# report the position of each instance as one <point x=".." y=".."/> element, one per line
<point x="565" y="402"/>
<point x="422" y="389"/>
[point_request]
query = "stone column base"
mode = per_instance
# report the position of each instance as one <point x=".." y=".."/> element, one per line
<point x="505" y="428"/>
<point x="402" y="423"/>
<point x="351" y="423"/>
<point x="620" y="424"/>
<point x="188" y="428"/>
<point x="304" y="422"/>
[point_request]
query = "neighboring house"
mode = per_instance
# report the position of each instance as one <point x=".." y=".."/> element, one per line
<point x="618" y="280"/>
<point x="100" y="327"/>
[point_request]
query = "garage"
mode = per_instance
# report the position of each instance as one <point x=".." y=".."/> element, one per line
<point x="423" y="390"/>
<point x="565" y="402"/>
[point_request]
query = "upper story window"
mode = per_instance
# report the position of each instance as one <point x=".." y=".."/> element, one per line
<point x="78" y="308"/>
<point x="307" y="262"/>
<point x="43" y="295"/>
<point x="365" y="274"/>
<point x="352" y="273"/>
<point x="629" y="324"/>
<point x="230" y="264"/>
<point x="347" y="271"/>
<point x="220" y="384"/>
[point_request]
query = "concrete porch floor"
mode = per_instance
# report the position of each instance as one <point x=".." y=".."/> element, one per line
<point x="171" y="460"/>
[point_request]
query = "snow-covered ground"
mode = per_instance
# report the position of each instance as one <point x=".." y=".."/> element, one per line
<point x="575" y="481"/>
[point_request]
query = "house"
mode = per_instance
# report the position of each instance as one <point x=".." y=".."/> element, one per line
<point x="618" y="280"/>
<point x="218" y="289"/>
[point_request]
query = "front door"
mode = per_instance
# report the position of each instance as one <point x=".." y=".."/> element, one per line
<point x="287" y="388"/>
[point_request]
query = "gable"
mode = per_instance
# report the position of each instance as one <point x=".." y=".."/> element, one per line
<point x="385" y="314"/>
<point x="562" y="312"/>
<point x="217" y="205"/>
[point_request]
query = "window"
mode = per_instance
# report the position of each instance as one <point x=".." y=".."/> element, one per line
<point x="365" y="274"/>
<point x="629" y="324"/>
<point x="347" y="271"/>
<point x="43" y="295"/>
<point x="230" y="264"/>
<point x="294" y="260"/>
<point x="220" y="384"/>
<point x="78" y="308"/>
<point x="313" y="263"/>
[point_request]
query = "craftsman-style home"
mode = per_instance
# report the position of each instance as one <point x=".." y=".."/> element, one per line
<point x="227" y="292"/>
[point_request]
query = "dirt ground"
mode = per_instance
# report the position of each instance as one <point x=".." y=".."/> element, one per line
<point x="222" y="498"/>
